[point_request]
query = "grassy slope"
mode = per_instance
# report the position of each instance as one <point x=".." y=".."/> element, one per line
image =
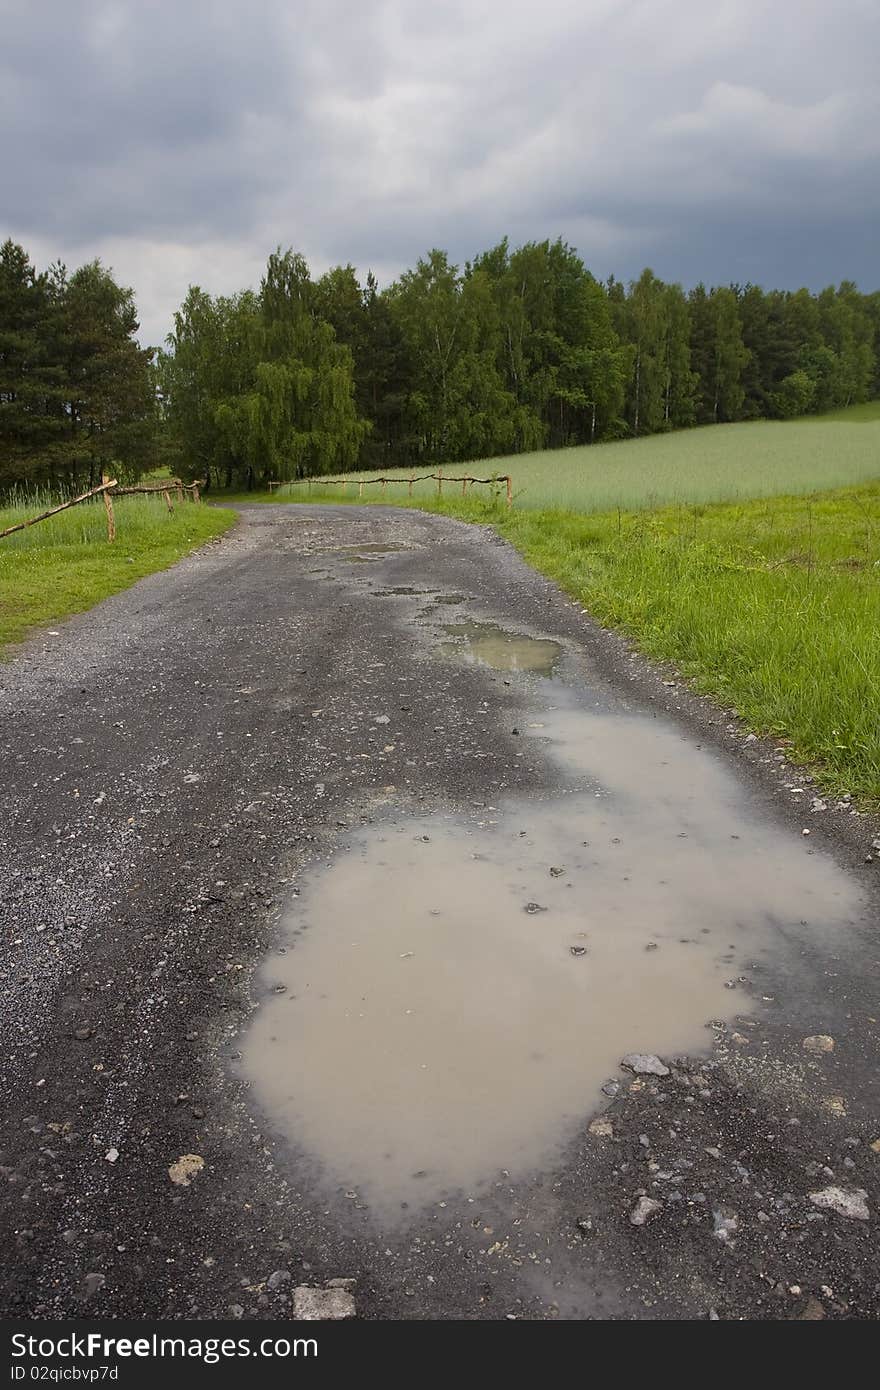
<point x="772" y="606"/>
<point x="65" y="565"/>
<point x="712" y="464"/>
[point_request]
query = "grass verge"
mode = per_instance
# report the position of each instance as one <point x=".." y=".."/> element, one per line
<point x="66" y="564"/>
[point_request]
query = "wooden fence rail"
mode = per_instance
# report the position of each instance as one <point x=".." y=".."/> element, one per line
<point x="107" y="490"/>
<point x="439" y="477"/>
<point x="53" y="511"/>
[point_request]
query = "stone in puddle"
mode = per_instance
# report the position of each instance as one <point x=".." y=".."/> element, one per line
<point x="322" y="1305"/>
<point x="846" y="1202"/>
<point x="644" y="1064"/>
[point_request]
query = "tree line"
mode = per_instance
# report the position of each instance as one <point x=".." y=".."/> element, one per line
<point x="520" y="349"/>
<point x="77" y="392"/>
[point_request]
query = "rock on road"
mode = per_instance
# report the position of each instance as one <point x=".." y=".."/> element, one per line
<point x="172" y="761"/>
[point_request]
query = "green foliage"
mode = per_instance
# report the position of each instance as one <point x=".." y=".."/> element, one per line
<point x="77" y="393"/>
<point x="795" y="395"/>
<point x="522" y="349"/>
<point x="257" y="386"/>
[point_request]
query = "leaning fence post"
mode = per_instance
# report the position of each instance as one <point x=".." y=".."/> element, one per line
<point x="108" y="507"/>
<point x="167" y="495"/>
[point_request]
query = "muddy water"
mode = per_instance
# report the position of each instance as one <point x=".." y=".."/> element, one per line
<point x="484" y="644"/>
<point x="371" y="551"/>
<point x="457" y="991"/>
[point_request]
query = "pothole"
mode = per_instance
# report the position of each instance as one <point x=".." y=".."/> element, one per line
<point x="484" y="644"/>
<point x="373" y="551"/>
<point x="398" y="590"/>
<point x="454" y="992"/>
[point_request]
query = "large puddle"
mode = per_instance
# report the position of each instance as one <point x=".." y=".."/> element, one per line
<point x="484" y="644"/>
<point x="454" y="992"/>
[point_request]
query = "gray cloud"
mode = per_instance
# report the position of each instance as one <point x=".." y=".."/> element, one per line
<point x="182" y="142"/>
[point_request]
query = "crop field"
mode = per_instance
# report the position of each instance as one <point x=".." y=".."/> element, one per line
<point x="715" y="463"/>
<point x="66" y="564"/>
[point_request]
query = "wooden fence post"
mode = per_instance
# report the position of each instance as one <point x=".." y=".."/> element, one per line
<point x="439" y="482"/>
<point x="360" y="489"/>
<point x="167" y="495"/>
<point x="197" y="496"/>
<point x="384" y="484"/>
<point x="180" y="492"/>
<point x="108" y="507"/>
<point x="410" y="486"/>
<point x="509" y="491"/>
<point x="464" y="483"/>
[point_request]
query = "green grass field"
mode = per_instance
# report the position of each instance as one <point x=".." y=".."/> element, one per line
<point x="716" y="463"/>
<point x="737" y="553"/>
<point x="772" y="606"/>
<point x="66" y="564"/>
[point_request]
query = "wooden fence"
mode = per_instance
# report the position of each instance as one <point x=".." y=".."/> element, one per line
<point x="439" y="477"/>
<point x="107" y="490"/>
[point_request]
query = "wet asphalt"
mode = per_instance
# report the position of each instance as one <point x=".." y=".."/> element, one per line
<point x="173" y="762"/>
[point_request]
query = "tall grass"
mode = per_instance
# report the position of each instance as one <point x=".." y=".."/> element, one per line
<point x="772" y="606"/>
<point x="66" y="564"/>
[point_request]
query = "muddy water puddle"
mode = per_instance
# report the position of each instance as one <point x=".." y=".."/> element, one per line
<point x="484" y="644"/>
<point x="456" y="991"/>
<point x="363" y="554"/>
<point x="399" y="589"/>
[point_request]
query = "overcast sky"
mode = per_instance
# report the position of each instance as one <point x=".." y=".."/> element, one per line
<point x="181" y="140"/>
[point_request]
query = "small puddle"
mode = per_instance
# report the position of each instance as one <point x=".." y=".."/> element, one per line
<point x="452" y="598"/>
<point x="356" y="554"/>
<point x="454" y="993"/>
<point x="399" y="589"/>
<point x="484" y="644"/>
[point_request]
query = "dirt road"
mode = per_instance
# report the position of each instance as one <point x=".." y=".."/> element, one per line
<point x="341" y="866"/>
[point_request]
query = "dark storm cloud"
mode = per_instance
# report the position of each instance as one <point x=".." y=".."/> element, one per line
<point x="183" y="141"/>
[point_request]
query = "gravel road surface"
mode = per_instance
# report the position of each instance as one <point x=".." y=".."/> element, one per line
<point x="178" y="764"/>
